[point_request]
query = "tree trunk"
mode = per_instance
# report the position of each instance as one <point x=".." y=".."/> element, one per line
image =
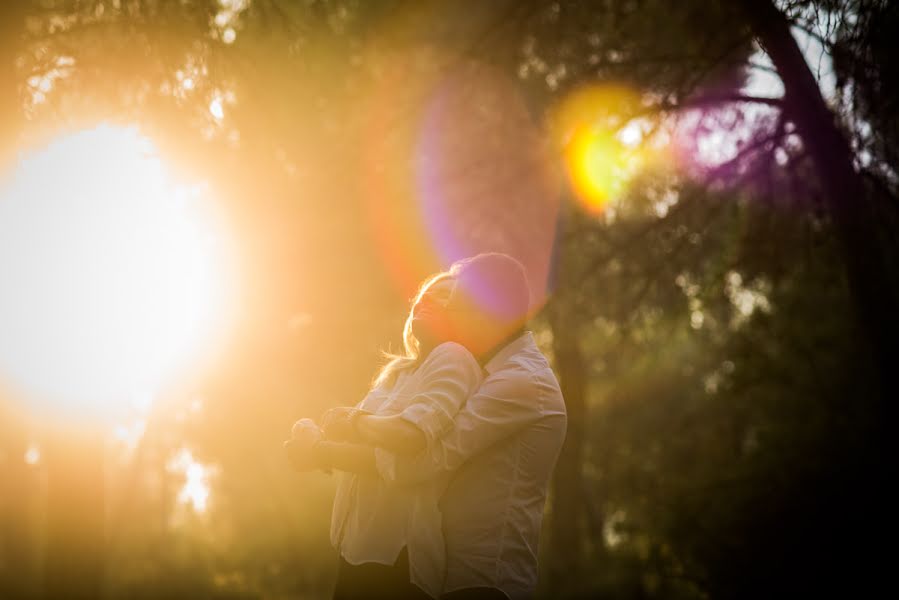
<point x="845" y="194"/>
<point x="76" y="515"/>
<point x="874" y="299"/>
<point x="567" y="486"/>
<point x="16" y="494"/>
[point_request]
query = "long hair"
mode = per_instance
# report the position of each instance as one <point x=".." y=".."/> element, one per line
<point x="497" y="282"/>
<point x="411" y="355"/>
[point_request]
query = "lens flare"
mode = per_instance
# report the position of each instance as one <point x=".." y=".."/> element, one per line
<point x="485" y="178"/>
<point x="600" y="167"/>
<point x="386" y="184"/>
<point x="454" y="182"/>
<point x="599" y="131"/>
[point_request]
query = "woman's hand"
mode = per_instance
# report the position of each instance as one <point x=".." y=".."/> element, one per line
<point x="308" y="450"/>
<point x="338" y="423"/>
<point x="304" y="435"/>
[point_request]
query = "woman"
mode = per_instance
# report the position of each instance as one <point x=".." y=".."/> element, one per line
<point x="389" y="536"/>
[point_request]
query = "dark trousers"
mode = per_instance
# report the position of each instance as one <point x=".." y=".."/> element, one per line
<point x="375" y="581"/>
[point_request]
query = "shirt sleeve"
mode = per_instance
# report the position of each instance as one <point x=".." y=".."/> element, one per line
<point x="447" y="377"/>
<point x="503" y="406"/>
<point x="373" y="398"/>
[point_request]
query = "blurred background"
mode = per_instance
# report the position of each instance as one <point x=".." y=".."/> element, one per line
<point x="213" y="215"/>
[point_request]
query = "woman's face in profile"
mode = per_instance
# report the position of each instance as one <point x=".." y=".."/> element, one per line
<point x="430" y="322"/>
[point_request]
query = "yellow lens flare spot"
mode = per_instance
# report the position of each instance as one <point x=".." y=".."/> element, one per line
<point x="600" y="167"/>
<point x="602" y="142"/>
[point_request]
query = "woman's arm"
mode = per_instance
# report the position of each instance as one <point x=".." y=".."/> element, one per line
<point x="327" y="455"/>
<point x="344" y="456"/>
<point x="356" y="426"/>
<point x="392" y="433"/>
<point x="448" y="376"/>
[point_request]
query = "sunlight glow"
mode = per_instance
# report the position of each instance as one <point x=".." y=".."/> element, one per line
<point x="113" y="275"/>
<point x="227" y="17"/>
<point x="604" y="142"/>
<point x="631" y="134"/>
<point x="611" y="530"/>
<point x="41" y="85"/>
<point x="746" y="299"/>
<point x="129" y="435"/>
<point x="712" y="136"/>
<point x="216" y="109"/>
<point x="600" y="166"/>
<point x="195" y="491"/>
<point x="32" y="454"/>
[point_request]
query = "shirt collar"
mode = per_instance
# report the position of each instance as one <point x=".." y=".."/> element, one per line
<point x="513" y="347"/>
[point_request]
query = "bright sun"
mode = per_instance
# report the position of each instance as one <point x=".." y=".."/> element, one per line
<point x="113" y="276"/>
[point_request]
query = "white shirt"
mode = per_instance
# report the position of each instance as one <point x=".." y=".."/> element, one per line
<point x="503" y="447"/>
<point x="373" y="519"/>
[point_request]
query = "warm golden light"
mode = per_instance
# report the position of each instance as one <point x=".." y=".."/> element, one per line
<point x="32" y="454"/>
<point x="600" y="166"/>
<point x="113" y="275"/>
<point x="602" y="141"/>
<point x="195" y="489"/>
<point x="216" y="109"/>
